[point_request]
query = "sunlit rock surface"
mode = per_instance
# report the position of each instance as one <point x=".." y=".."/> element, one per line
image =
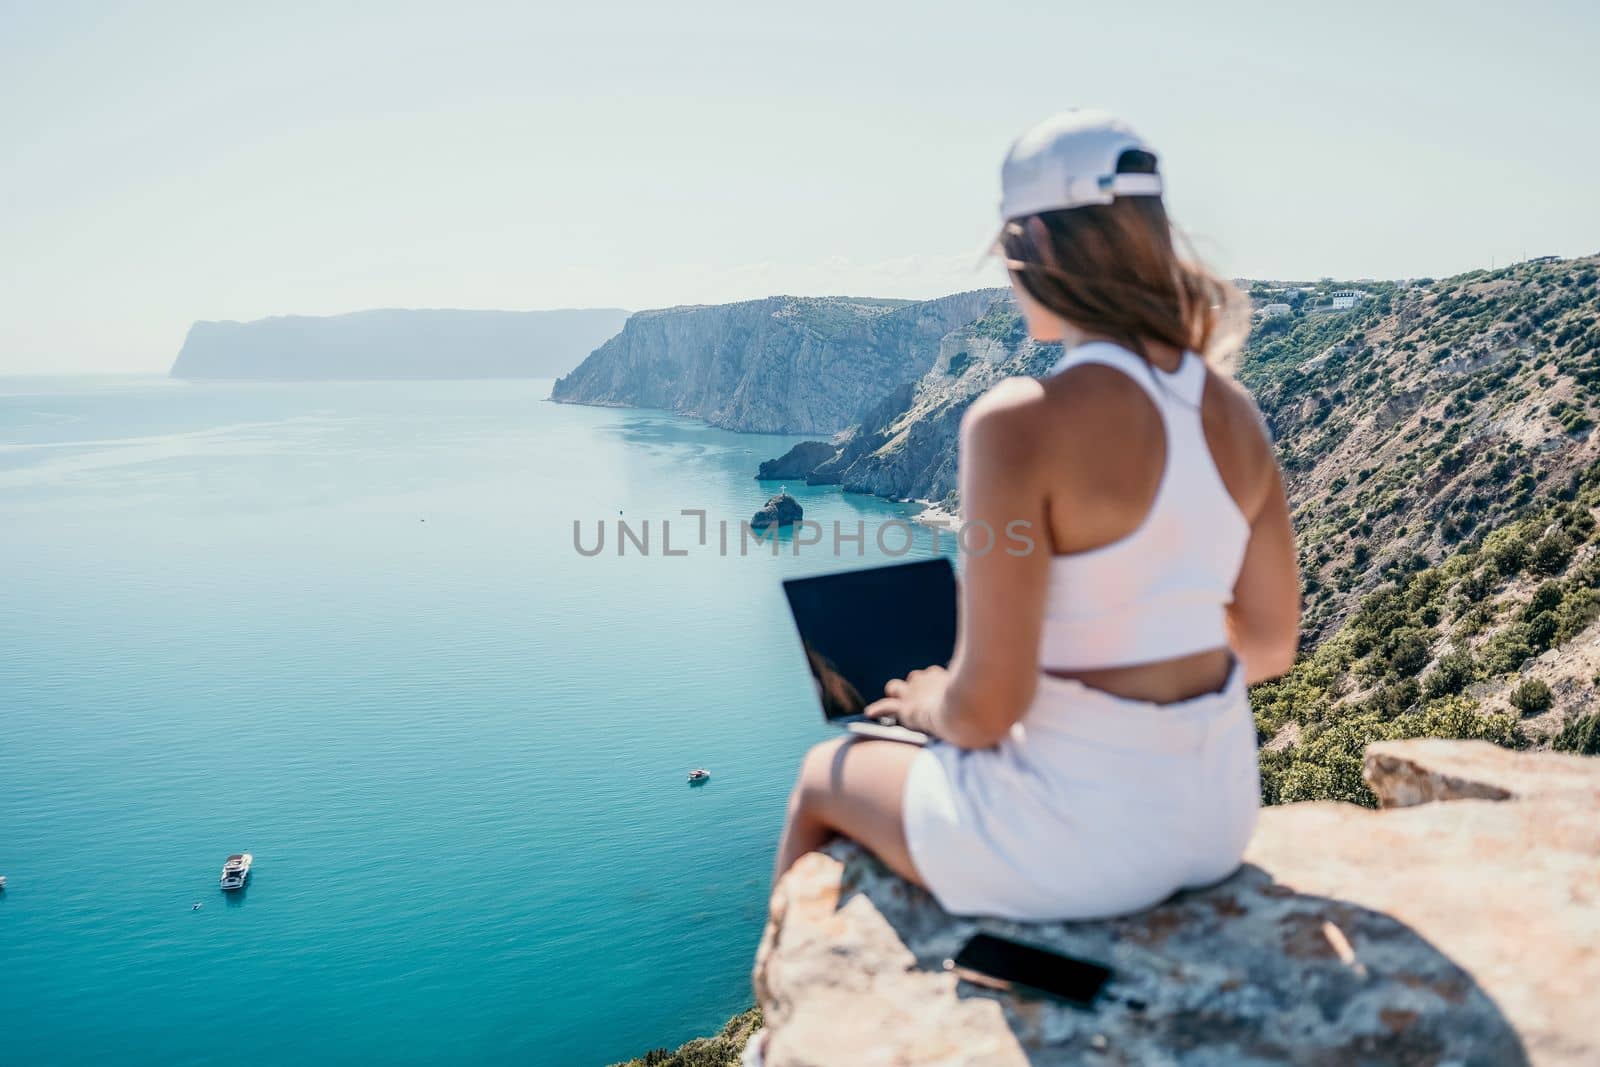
<point x="1447" y="928"/>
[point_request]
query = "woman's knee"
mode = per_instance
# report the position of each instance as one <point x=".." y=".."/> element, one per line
<point x="818" y="771"/>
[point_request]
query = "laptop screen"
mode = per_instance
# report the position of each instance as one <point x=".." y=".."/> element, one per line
<point x="861" y="628"/>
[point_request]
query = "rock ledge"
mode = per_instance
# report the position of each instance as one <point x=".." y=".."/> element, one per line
<point x="1462" y="932"/>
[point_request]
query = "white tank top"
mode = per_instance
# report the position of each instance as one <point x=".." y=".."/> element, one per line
<point x="1162" y="591"/>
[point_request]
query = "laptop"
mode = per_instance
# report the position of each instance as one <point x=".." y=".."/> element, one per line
<point x="860" y="628"/>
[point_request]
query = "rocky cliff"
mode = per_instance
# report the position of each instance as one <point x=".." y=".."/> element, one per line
<point x="397" y="343"/>
<point x="905" y="447"/>
<point x="1460" y="924"/>
<point x="780" y="365"/>
<point x="798" y="462"/>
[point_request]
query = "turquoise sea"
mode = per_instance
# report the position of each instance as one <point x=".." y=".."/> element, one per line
<point x="344" y="627"/>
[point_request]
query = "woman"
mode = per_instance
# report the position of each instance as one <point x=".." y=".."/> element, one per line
<point x="1096" y="748"/>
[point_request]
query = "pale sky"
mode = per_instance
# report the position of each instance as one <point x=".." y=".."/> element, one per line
<point x="166" y="162"/>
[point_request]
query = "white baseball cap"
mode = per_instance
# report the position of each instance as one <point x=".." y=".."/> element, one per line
<point x="1070" y="160"/>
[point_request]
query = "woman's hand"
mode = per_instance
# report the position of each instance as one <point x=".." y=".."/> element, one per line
<point x="914" y="700"/>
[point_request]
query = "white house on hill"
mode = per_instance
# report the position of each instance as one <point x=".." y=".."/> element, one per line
<point x="1347" y="298"/>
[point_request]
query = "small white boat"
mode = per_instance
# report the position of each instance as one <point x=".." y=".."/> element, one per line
<point x="236" y="871"/>
<point x="699" y="774"/>
<point x="2" y="881"/>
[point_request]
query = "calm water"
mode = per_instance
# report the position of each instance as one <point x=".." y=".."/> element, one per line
<point x="343" y="626"/>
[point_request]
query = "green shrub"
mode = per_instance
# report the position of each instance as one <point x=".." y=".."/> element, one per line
<point x="1532" y="697"/>
<point x="1542" y="630"/>
<point x="1450" y="675"/>
<point x="1507" y="650"/>
<point x="1580" y="735"/>
<point x="1457" y="718"/>
<point x="1472" y="622"/>
<point x="1545" y="598"/>
<point x="1578" y="609"/>
<point x="723" y="1050"/>
<point x="1406" y="651"/>
<point x="1552" y="553"/>
<point x="1508" y="558"/>
<point x="1392" y="700"/>
<point x="1327" y="764"/>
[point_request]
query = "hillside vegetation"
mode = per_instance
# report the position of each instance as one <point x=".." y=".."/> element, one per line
<point x="1439" y="445"/>
<point x="720" y="1050"/>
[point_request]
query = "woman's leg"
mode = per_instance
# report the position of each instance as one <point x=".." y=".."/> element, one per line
<point x="852" y="787"/>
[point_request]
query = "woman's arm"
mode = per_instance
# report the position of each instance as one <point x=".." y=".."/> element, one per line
<point x="992" y="678"/>
<point x="1264" y="618"/>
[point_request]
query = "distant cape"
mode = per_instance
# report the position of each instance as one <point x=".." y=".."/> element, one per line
<point x="398" y="343"/>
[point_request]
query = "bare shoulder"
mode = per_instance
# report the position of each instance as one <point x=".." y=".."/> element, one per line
<point x="1235" y="404"/>
<point x="1093" y="403"/>
<point x="1088" y="387"/>
<point x="1007" y="399"/>
<point x="1232" y="393"/>
<point x="1003" y="424"/>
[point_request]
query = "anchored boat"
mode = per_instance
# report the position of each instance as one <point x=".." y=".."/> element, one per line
<point x="236" y="871"/>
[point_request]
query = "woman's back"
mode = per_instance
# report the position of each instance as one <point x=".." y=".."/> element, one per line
<point x="1153" y="475"/>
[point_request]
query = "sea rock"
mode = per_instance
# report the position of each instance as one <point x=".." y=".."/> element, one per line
<point x="1465" y="932"/>
<point x="798" y="462"/>
<point x="781" y="510"/>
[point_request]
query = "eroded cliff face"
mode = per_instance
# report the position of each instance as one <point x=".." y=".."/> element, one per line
<point x="905" y="448"/>
<point x="779" y="365"/>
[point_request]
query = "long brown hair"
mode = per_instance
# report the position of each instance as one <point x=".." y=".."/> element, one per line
<point x="1115" y="270"/>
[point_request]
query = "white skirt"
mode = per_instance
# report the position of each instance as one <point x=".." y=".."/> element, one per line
<point x="1094" y="806"/>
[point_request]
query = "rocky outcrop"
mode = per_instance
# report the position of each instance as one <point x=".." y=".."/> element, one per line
<point x="780" y="365"/>
<point x="781" y="510"/>
<point x="905" y="447"/>
<point x="397" y="343"/>
<point x="720" y="1050"/>
<point x="798" y="462"/>
<point x="1448" y="928"/>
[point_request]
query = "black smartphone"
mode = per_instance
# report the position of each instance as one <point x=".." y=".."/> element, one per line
<point x="1003" y="964"/>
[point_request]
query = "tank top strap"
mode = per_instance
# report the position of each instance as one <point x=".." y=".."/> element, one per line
<point x="1184" y="384"/>
<point x="1189" y="380"/>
